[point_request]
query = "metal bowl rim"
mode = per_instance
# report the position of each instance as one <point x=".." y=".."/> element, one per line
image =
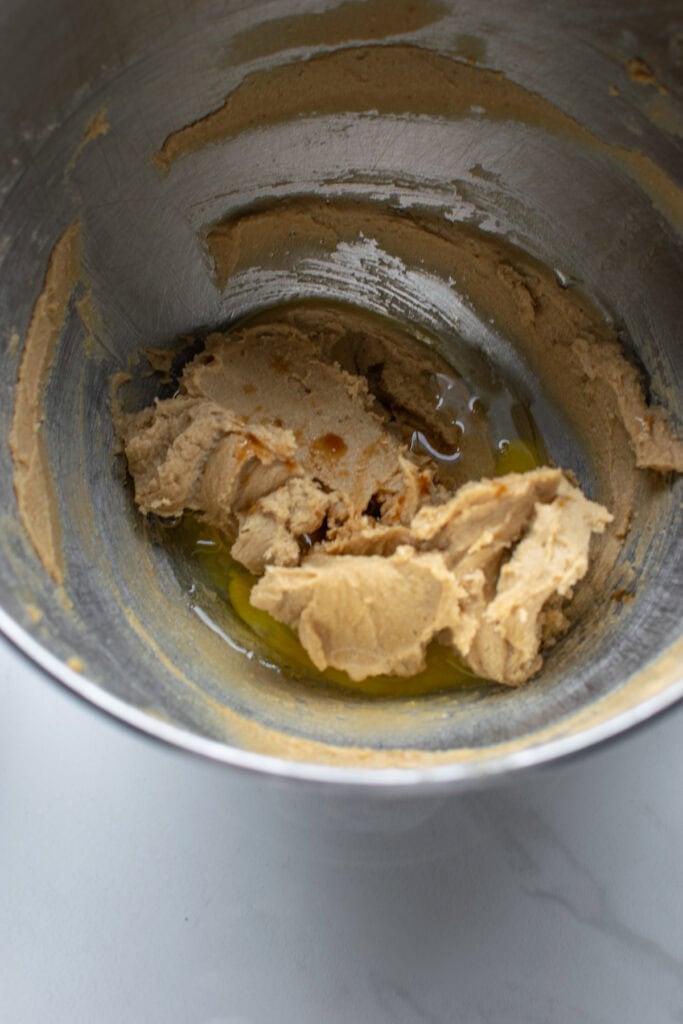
<point x="449" y="776"/>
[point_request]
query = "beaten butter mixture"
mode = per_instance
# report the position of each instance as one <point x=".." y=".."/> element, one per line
<point x="363" y="481"/>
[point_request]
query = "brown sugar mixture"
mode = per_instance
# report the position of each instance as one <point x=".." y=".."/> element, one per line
<point x="360" y="478"/>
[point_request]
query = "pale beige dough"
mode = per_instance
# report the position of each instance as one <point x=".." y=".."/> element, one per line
<point x="654" y="444"/>
<point x="476" y="572"/>
<point x="365" y="552"/>
<point x="269" y="442"/>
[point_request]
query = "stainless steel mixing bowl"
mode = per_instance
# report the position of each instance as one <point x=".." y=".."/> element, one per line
<point x="124" y="612"/>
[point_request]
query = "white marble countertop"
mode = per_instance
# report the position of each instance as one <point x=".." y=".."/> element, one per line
<point x="138" y="884"/>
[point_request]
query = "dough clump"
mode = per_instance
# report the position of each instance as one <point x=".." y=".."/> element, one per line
<point x="481" y="573"/>
<point x="359" y="545"/>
